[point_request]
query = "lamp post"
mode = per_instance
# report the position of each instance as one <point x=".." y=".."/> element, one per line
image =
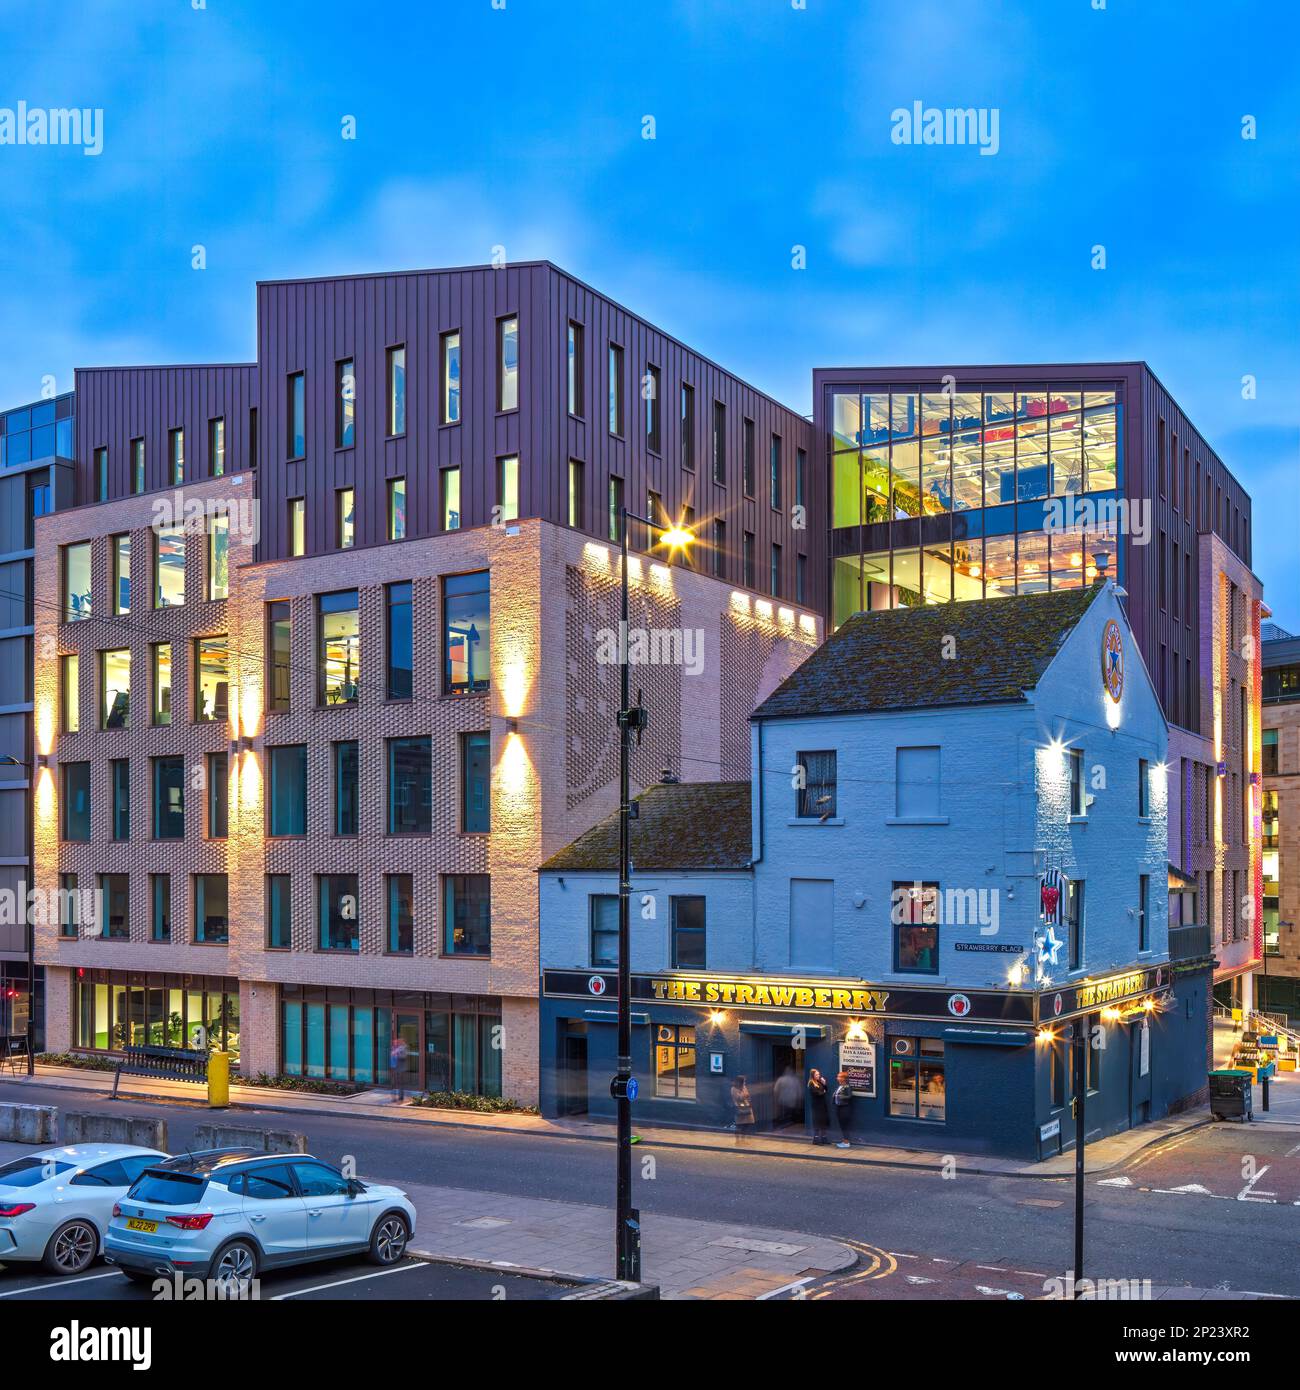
<point x="632" y="719"/>
<point x="1080" y="1090"/>
<point x="8" y="760"/>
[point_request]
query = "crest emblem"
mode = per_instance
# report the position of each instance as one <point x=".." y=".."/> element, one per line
<point x="1112" y="660"/>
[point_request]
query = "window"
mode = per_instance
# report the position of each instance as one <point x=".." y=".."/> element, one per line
<point x="346" y="788"/>
<point x="508" y="364"/>
<point x="339" y="924"/>
<point x="137" y="465"/>
<point x="774" y="571"/>
<point x="450" y="378"/>
<point x="75" y="796"/>
<point x="121" y="552"/>
<point x="719" y="443"/>
<point x="467" y="904"/>
<point x="748" y="557"/>
<point x="1144" y="912"/>
<point x="616" y="509"/>
<point x="115" y="690"/>
<point x="400" y="637"/>
<point x="451" y="499"/>
<point x="218" y="774"/>
<point x="217" y="446"/>
<point x="1268" y="750"/>
<point x="615" y="389"/>
<point x="577" y="512"/>
<point x="401" y="915"/>
<point x="720" y="548"/>
<point x="218" y="558"/>
<point x="688" y="933"/>
<point x="397" y="509"/>
<point x="76" y="582"/>
<point x="815" y="799"/>
<point x="800" y="477"/>
<point x="176" y="455"/>
<point x="475" y="783"/>
<point x="577" y="365"/>
<point x="160" y="907"/>
<point x="1074" y="922"/>
<point x="279" y="638"/>
<point x="650" y="389"/>
<point x="69" y="906"/>
<point x="345" y="529"/>
<point x="917" y="1086"/>
<point x="466" y="645"/>
<point x="603" y="911"/>
<point x="916" y="788"/>
<point x="675" y="1061"/>
<point x="801" y="579"/>
<point x="654" y="510"/>
<point x="169" y="567"/>
<point x="212" y="679"/>
<point x="747" y="458"/>
<point x="396" y="378"/>
<point x="101" y="475"/>
<point x="169" y="798"/>
<point x="279" y="915"/>
<point x="69" y="694"/>
<point x="774" y="470"/>
<point x="410" y="786"/>
<point x="688" y="427"/>
<point x="119" y="770"/>
<point x="297" y="525"/>
<point x="296" y="416"/>
<point x="345" y="404"/>
<point x="915" y="911"/>
<point x="287" y="790"/>
<point x="1144" y="788"/>
<point x="252" y="436"/>
<point x="508" y="488"/>
<point x="1078" y="801"/>
<point x="115" y="901"/>
<point x="338" y="648"/>
<point x="211" y="909"/>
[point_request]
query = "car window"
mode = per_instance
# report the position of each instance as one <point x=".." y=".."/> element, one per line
<point x="269" y="1184"/>
<point x="316" y="1180"/>
<point x="27" y="1172"/>
<point x="168" y="1189"/>
<point x="110" y="1174"/>
<point x="133" y="1167"/>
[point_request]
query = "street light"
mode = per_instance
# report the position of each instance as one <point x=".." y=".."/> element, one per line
<point x="8" y="760"/>
<point x="631" y="720"/>
<point x="1081" y="1042"/>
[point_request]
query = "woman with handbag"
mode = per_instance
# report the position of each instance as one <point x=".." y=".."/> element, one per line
<point x="744" y="1109"/>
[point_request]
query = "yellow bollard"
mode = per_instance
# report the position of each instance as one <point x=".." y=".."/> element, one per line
<point x="218" y="1079"/>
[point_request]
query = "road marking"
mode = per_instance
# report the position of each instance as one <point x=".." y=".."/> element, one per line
<point x="61" y="1283"/>
<point x="1246" y="1195"/>
<point x="338" y="1283"/>
<point x="785" y="1288"/>
<point x="1115" y="1182"/>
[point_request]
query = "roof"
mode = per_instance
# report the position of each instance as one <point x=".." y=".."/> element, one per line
<point x="679" y="825"/>
<point x="95" y="1153"/>
<point x="894" y="659"/>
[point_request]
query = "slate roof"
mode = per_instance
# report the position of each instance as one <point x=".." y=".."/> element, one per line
<point x="680" y="825"/>
<point x="894" y="659"/>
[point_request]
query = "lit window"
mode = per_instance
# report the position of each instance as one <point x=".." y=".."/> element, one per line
<point x="218" y="557"/>
<point x="508" y="364"/>
<point x="161" y="712"/>
<point x="451" y="499"/>
<point x="915" y="911"/>
<point x="115" y="689"/>
<point x="577" y="512"/>
<point x="345" y="518"/>
<point x="338" y="645"/>
<point x="397" y="390"/>
<point x="508" y="488"/>
<point x="675" y="1061"/>
<point x="466" y="610"/>
<point x="216" y="447"/>
<point x="137" y="465"/>
<point x="279" y="633"/>
<point x="212" y="679"/>
<point x="69" y="695"/>
<point x="296" y="415"/>
<point x="76" y="582"/>
<point x="297" y="526"/>
<point x="169" y="567"/>
<point x="345" y="404"/>
<point x="121" y="546"/>
<point x="396" y="509"/>
<point x="467" y="908"/>
<point x="176" y="455"/>
<point x="450" y="378"/>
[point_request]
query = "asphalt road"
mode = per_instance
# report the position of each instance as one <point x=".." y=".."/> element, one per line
<point x="1138" y="1230"/>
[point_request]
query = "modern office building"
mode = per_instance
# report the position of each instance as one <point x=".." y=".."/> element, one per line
<point x="36" y="452"/>
<point x="965" y="482"/>
<point x="1278" y="983"/>
<point x="330" y="667"/>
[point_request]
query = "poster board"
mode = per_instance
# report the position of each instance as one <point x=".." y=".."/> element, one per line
<point x="858" y="1058"/>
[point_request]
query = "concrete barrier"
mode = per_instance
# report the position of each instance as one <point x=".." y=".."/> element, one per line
<point x="82" y="1127"/>
<point x="271" y="1141"/>
<point x="29" y="1124"/>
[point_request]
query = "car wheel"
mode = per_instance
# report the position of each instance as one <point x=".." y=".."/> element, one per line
<point x="234" y="1265"/>
<point x="72" y="1248"/>
<point x="388" y="1239"/>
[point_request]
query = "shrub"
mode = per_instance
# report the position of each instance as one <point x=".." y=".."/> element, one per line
<point x="312" y="1085"/>
<point x="463" y="1100"/>
<point x="77" y="1059"/>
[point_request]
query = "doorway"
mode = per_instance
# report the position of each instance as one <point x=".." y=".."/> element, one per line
<point x="783" y="1087"/>
<point x="571" y="1081"/>
<point x="408" y="1027"/>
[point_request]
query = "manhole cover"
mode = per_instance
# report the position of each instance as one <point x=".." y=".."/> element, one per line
<point x="760" y="1247"/>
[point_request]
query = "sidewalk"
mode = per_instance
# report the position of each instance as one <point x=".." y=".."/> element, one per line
<point x="687" y="1259"/>
<point x="1102" y="1155"/>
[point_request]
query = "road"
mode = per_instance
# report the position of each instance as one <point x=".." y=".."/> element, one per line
<point x="1154" y="1225"/>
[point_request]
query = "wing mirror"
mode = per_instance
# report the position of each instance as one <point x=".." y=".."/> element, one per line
<point x="355" y="1187"/>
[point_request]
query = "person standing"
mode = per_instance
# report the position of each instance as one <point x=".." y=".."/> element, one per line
<point x="787" y="1096"/>
<point x="843" y="1102"/>
<point x="744" y="1109"/>
<point x="821" y="1119"/>
<point x="397" y="1056"/>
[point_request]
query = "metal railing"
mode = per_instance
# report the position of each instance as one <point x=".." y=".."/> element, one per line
<point x="1189" y="942"/>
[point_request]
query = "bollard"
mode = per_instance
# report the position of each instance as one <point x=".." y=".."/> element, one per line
<point x="1263" y="1081"/>
<point x="219" y="1080"/>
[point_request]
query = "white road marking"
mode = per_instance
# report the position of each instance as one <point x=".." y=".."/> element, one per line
<point x="338" y="1283"/>
<point x="785" y="1288"/>
<point x="60" y="1283"/>
<point x="1246" y="1195"/>
<point x="1115" y="1182"/>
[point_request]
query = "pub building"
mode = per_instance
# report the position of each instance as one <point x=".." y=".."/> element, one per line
<point x="941" y="866"/>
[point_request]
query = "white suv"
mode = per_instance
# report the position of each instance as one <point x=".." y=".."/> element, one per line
<point x="227" y="1215"/>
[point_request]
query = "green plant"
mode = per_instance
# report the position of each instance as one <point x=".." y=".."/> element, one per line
<point x="464" y="1100"/>
<point x="76" y="1059"/>
<point x="311" y="1085"/>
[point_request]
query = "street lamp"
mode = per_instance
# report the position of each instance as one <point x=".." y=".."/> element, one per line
<point x="8" y="760"/>
<point x="1080" y="1091"/>
<point x="631" y="720"/>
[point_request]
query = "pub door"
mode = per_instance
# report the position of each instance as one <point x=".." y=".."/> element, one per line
<point x="571" y="1083"/>
<point x="781" y="1103"/>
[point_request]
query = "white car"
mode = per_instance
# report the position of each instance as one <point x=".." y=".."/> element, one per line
<point x="55" y="1204"/>
<point x="227" y="1215"/>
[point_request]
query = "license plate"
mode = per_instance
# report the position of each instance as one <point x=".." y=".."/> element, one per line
<point x="137" y="1223"/>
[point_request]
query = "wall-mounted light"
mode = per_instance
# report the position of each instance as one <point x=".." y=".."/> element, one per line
<point x="857" y="1030"/>
<point x="42" y="761"/>
<point x="717" y="1018"/>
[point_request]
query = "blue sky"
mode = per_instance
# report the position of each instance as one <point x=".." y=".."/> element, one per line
<point x="522" y="127"/>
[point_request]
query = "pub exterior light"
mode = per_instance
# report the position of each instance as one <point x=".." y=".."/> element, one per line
<point x="717" y="1018"/>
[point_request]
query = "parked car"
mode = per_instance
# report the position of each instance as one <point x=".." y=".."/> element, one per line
<point x="55" y="1205"/>
<point x="227" y="1215"/>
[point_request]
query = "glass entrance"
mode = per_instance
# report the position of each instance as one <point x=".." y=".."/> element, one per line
<point x="406" y="1050"/>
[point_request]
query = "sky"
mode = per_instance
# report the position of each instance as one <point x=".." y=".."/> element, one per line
<point x="771" y="223"/>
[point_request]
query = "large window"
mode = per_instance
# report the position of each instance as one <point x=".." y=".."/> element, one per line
<point x="410" y="786"/>
<point x="338" y="647"/>
<point x="69" y="693"/>
<point x="914" y="908"/>
<point x="475" y="783"/>
<point x="401" y="642"/>
<point x="211" y="909"/>
<point x="287" y="800"/>
<point x="75" y="796"/>
<point x="295" y="416"/>
<point x="339" y="913"/>
<point x="169" y="798"/>
<point x="119" y="779"/>
<point x="603" y="908"/>
<point x="76" y="582"/>
<point x="916" y="791"/>
<point x="114" y="907"/>
<point x="279" y="933"/>
<point x="508" y="364"/>
<point x="397" y="389"/>
<point x="467" y="649"/>
<point x="212" y="679"/>
<point x="115" y="689"/>
<point x="917" y="1085"/>
<point x="217" y="768"/>
<point x="169" y="567"/>
<point x="218" y="557"/>
<point x="467" y="914"/>
<point x="347" y="794"/>
<point x="816" y="795"/>
<point x="279" y="637"/>
<point x="675" y="1061"/>
<point x="450" y="478"/>
<point x="688" y="933"/>
<point x="345" y="404"/>
<point x="401" y="915"/>
<point x="121" y="553"/>
<point x="450" y="378"/>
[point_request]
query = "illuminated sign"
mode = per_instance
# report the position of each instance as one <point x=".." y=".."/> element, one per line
<point x="1112" y="660"/>
<point x="761" y="995"/>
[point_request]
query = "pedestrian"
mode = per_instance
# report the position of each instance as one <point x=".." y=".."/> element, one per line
<point x="821" y="1119"/>
<point x="786" y="1094"/>
<point x="843" y="1101"/>
<point x="744" y="1108"/>
<point x="397" y="1056"/>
